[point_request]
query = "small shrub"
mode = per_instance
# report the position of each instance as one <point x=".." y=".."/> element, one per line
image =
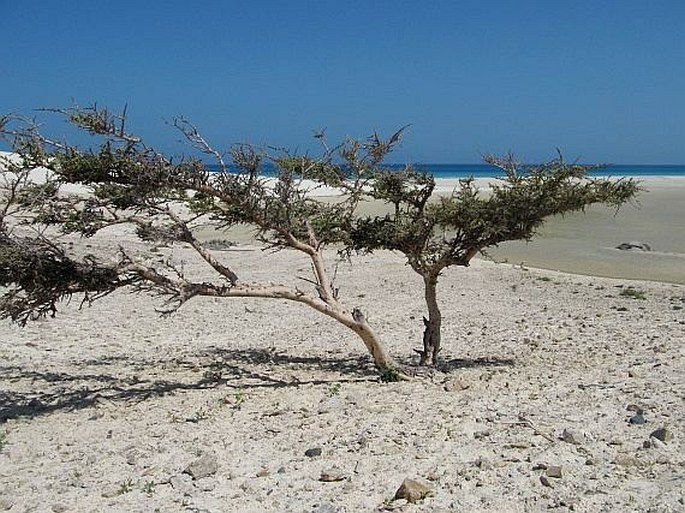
<point x="149" y="487"/>
<point x="390" y="375"/>
<point x="633" y="293"/>
<point x="126" y="486"/>
<point x="333" y="390"/>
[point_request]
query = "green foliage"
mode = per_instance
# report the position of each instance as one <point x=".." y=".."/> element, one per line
<point x="453" y="229"/>
<point x="390" y="375"/>
<point x="633" y="293"/>
<point x="125" y="487"/>
<point x="149" y="488"/>
<point x="37" y="274"/>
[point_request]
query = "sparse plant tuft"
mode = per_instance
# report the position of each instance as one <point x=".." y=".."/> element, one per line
<point x="633" y="293"/>
<point x="126" y="486"/>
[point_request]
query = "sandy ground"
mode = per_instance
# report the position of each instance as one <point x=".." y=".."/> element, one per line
<point x="106" y="408"/>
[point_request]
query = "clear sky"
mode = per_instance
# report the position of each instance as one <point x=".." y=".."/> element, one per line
<point x="604" y="80"/>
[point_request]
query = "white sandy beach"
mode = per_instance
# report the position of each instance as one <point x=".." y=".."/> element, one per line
<point x="104" y="409"/>
<point x="263" y="406"/>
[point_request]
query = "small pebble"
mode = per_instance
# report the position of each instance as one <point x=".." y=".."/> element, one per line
<point x="637" y="419"/>
<point x="313" y="452"/>
<point x="662" y="434"/>
<point x="554" y="471"/>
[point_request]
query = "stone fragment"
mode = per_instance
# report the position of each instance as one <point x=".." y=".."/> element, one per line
<point x="625" y="460"/>
<point x="455" y="385"/>
<point x="546" y="482"/>
<point x="58" y="508"/>
<point x="331" y="475"/>
<point x="413" y="491"/>
<point x="554" y="471"/>
<point x="662" y="434"/>
<point x="572" y="437"/>
<point x="325" y="507"/>
<point x="313" y="452"/>
<point x="204" y="466"/>
<point x="5" y="504"/>
<point x="263" y="472"/>
<point x="637" y="419"/>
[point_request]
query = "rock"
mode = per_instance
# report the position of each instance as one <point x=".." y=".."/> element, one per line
<point x="331" y="475"/>
<point x="204" y="466"/>
<point x="325" y="507"/>
<point x="59" y="508"/>
<point x="5" y="504"/>
<point x="553" y="471"/>
<point x="625" y="460"/>
<point x="313" y="452"/>
<point x="263" y="472"/>
<point x="413" y="491"/>
<point x="182" y="483"/>
<point x="455" y="385"/>
<point x="634" y="245"/>
<point x="656" y="443"/>
<point x="662" y="434"/>
<point x="572" y="437"/>
<point x="546" y="482"/>
<point x="637" y="419"/>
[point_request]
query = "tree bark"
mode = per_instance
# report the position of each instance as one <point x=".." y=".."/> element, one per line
<point x="354" y="320"/>
<point x="431" y="333"/>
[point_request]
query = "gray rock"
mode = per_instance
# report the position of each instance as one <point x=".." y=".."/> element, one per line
<point x="313" y="452"/>
<point x="331" y="475"/>
<point x="182" y="483"/>
<point x="656" y="443"/>
<point x="553" y="471"/>
<point x="59" y="508"/>
<point x="204" y="466"/>
<point x="325" y="507"/>
<point x="637" y="419"/>
<point x="571" y="436"/>
<point x="546" y="482"/>
<point x="662" y="434"/>
<point x="5" y="504"/>
<point x="413" y="491"/>
<point x="455" y="385"/>
<point x="634" y="245"/>
<point x="625" y="460"/>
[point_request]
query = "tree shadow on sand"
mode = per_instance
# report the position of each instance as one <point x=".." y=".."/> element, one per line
<point x="472" y="363"/>
<point x="52" y="391"/>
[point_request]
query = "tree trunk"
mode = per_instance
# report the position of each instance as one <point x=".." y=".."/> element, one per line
<point x="355" y="320"/>
<point x="431" y="332"/>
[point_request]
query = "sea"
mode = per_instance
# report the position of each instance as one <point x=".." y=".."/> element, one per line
<point x="485" y="171"/>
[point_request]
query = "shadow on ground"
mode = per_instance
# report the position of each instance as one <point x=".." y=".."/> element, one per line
<point x="42" y="392"/>
<point x="46" y="391"/>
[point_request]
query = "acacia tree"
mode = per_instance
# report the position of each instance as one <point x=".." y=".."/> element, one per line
<point x="435" y="235"/>
<point x="127" y="182"/>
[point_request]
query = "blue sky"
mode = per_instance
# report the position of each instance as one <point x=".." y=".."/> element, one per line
<point x="602" y="80"/>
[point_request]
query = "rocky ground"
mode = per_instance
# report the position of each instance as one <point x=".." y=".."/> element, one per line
<point x="558" y="392"/>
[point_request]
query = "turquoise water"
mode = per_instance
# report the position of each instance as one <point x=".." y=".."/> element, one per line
<point x="486" y="171"/>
